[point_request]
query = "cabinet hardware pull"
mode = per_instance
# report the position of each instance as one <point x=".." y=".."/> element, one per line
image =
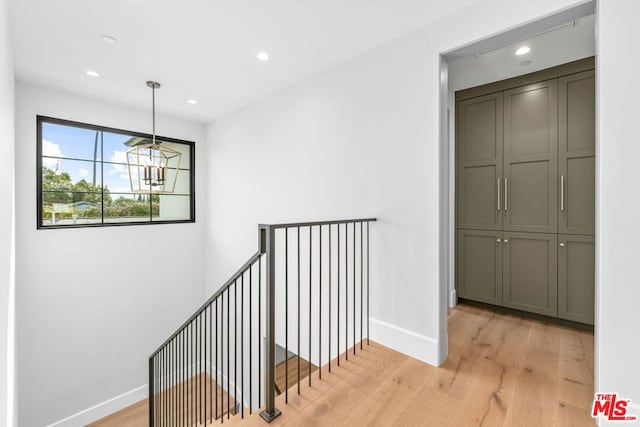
<point x="498" y="194"/>
<point x="506" y="194"/>
<point x="562" y="244"/>
<point x="562" y="193"/>
<point x="498" y="240"/>
<point x="506" y="240"/>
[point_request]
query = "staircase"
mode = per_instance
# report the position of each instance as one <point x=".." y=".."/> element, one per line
<point x="305" y="291"/>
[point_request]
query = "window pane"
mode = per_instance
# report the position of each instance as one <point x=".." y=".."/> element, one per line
<point x="127" y="208"/>
<point x="70" y="208"/>
<point x="71" y="175"/>
<point x="172" y="207"/>
<point x="116" y="178"/>
<point x="183" y="183"/>
<point x="184" y="149"/>
<point x="115" y="147"/>
<point x="70" y="142"/>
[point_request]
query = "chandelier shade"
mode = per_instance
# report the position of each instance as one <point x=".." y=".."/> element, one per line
<point x="153" y="168"/>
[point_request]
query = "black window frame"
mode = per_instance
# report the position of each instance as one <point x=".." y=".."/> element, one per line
<point x="64" y="122"/>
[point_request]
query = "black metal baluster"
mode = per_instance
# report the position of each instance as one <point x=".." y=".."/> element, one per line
<point x="172" y="382"/>
<point x="176" y="351"/>
<point x="346" y="291"/>
<point x="175" y="381"/>
<point x="354" y="288"/>
<point x="338" y="298"/>
<point x="211" y="385"/>
<point x="199" y="356"/>
<point x="164" y="386"/>
<point x="160" y="406"/>
<point x="250" y="339"/>
<point x="310" y="294"/>
<point x="242" y="344"/>
<point x="222" y="359"/>
<point x="320" y="305"/>
<point x="208" y="379"/>
<point x="286" y="315"/>
<point x="189" y="384"/>
<point x="235" y="343"/>
<point x="368" y="314"/>
<point x="184" y="376"/>
<point x="299" y="310"/>
<point x="159" y="390"/>
<point x="192" y="363"/>
<point x="167" y="386"/>
<point x="329" y="315"/>
<point x="228" y="355"/>
<point x="361" y="286"/>
<point x="259" y="361"/>
<point x="216" y="355"/>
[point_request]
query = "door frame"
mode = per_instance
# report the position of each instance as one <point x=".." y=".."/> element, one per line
<point x="447" y="145"/>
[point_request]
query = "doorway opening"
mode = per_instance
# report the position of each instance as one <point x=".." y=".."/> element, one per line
<point x="519" y="178"/>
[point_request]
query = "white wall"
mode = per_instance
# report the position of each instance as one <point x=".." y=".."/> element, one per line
<point x="360" y="140"/>
<point x="618" y="187"/>
<point x="91" y="306"/>
<point x="6" y="220"/>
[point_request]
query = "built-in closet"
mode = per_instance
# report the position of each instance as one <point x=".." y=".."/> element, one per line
<point x="525" y="192"/>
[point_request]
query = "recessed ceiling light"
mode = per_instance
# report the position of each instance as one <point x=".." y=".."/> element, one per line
<point x="523" y="50"/>
<point x="192" y="102"/>
<point x="92" y="73"/>
<point x="109" y="39"/>
<point x="263" y="56"/>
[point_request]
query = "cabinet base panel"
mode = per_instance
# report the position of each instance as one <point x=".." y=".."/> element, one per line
<point x="505" y="310"/>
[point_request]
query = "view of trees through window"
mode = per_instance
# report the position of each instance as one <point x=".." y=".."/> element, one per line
<point x="84" y="178"/>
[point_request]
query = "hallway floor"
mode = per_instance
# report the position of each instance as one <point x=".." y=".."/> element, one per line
<point x="502" y="370"/>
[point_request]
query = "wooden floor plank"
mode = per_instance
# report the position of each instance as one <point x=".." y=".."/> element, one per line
<point x="502" y="370"/>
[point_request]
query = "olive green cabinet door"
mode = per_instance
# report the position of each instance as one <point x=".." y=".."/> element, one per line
<point x="479" y="162"/>
<point x="576" y="278"/>
<point x="530" y="273"/>
<point x="531" y="158"/>
<point x="479" y="266"/>
<point x="576" y="153"/>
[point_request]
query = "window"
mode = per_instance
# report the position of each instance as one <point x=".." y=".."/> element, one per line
<point x="83" y="178"/>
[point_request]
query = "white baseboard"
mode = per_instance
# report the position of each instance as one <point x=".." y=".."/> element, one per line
<point x="103" y="409"/>
<point x="120" y="402"/>
<point x="408" y="342"/>
<point x="453" y="298"/>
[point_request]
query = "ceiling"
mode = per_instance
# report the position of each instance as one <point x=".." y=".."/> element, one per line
<point x="553" y="46"/>
<point x="200" y="49"/>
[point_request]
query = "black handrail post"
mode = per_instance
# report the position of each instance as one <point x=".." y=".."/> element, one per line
<point x="151" y="392"/>
<point x="267" y="246"/>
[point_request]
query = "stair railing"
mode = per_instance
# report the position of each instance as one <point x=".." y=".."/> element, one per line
<point x="194" y="367"/>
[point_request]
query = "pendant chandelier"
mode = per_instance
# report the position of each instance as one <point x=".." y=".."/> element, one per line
<point x="153" y="169"/>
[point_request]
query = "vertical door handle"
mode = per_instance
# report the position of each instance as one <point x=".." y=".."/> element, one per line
<point x="562" y="193"/>
<point x="498" y="194"/>
<point x="506" y="194"/>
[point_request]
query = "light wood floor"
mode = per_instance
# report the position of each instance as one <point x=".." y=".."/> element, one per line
<point x="137" y="414"/>
<point x="502" y="370"/>
<point x="281" y="370"/>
